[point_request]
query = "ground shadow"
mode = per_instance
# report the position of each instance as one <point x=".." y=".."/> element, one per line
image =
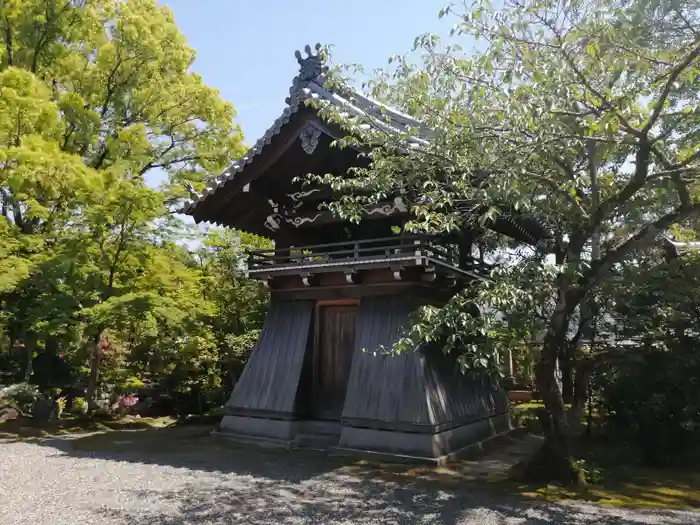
<point x="223" y="482"/>
<point x="336" y="497"/>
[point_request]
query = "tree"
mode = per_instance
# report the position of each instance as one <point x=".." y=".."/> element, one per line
<point x="240" y="304"/>
<point x="648" y="378"/>
<point x="582" y="114"/>
<point x="95" y="95"/>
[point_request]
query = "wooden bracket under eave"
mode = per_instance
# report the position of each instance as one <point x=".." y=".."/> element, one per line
<point x="397" y="274"/>
<point x="429" y="275"/>
<point x="306" y="279"/>
<point x="351" y="277"/>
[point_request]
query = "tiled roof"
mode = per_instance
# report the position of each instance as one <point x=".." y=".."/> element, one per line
<point x="308" y="85"/>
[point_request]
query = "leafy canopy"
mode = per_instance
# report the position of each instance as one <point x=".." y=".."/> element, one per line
<point x="98" y="99"/>
<point x="582" y="114"/>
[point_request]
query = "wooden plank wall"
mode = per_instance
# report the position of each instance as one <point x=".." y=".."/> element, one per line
<point x="419" y="388"/>
<point x="389" y="389"/>
<point x="454" y="397"/>
<point x="270" y="379"/>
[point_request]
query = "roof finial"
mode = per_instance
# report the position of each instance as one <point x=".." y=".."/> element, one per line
<point x="311" y="66"/>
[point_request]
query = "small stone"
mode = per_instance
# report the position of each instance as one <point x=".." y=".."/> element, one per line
<point x="9" y="412"/>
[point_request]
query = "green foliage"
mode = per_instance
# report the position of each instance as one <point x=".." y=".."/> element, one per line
<point x="654" y="403"/>
<point x="590" y="473"/>
<point x="79" y="406"/>
<point x="61" y="403"/>
<point x="96" y="97"/>
<point x="649" y="386"/>
<point x="22" y="394"/>
<point x="238" y="349"/>
<point x="580" y="115"/>
<point x="658" y="300"/>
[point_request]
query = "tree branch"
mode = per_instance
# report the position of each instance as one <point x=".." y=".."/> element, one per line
<point x="5" y="204"/>
<point x="636" y="183"/>
<point x="672" y="76"/>
<point x="643" y="236"/>
<point x="8" y="43"/>
<point x="675" y="174"/>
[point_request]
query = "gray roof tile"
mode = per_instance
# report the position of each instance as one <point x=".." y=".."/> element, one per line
<point x="308" y="84"/>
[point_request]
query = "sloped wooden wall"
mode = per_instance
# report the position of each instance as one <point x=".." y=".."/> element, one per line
<point x="270" y="379"/>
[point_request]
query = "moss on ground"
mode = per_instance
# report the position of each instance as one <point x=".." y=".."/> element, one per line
<point x="633" y="488"/>
<point x="27" y="428"/>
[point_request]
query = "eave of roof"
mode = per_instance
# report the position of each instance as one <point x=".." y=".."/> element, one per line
<point x="307" y="86"/>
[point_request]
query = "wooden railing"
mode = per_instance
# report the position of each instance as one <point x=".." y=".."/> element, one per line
<point x="386" y="249"/>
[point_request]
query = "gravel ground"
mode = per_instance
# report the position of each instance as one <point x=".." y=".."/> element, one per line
<point x="56" y="482"/>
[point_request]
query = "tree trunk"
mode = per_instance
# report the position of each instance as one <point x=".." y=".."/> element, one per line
<point x="29" y="347"/>
<point x="94" y="374"/>
<point x="568" y="368"/>
<point x="588" y="308"/>
<point x="582" y="380"/>
<point x="554" y="461"/>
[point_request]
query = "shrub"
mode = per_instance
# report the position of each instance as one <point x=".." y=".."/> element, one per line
<point x="654" y="403"/>
<point x="61" y="403"/>
<point x="79" y="406"/>
<point x="22" y="394"/>
<point x="132" y="383"/>
<point x="126" y="403"/>
<point x="53" y="392"/>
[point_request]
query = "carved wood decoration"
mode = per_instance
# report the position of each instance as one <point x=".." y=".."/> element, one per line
<point x="287" y="216"/>
<point x="299" y="220"/>
<point x="309" y="138"/>
<point x="300" y="195"/>
<point x="429" y="275"/>
<point x="272" y="222"/>
<point x="388" y="209"/>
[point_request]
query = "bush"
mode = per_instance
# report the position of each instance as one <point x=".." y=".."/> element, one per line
<point x="126" y="404"/>
<point x="79" y="406"/>
<point x="654" y="403"/>
<point x="61" y="403"/>
<point x="22" y="394"/>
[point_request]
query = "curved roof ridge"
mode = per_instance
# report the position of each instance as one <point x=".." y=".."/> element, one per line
<point x="309" y="84"/>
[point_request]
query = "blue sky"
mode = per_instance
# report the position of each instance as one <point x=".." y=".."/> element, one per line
<point x="246" y="48"/>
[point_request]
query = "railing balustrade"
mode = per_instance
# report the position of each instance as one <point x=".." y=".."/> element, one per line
<point x="362" y="251"/>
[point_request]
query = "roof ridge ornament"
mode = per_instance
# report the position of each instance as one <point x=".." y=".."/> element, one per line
<point x="311" y="67"/>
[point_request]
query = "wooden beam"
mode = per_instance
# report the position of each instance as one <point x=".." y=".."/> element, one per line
<point x="214" y="204"/>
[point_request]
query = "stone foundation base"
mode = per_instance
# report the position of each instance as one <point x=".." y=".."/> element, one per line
<point x="435" y="448"/>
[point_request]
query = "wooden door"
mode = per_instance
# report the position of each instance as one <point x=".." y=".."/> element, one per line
<point x="335" y="342"/>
